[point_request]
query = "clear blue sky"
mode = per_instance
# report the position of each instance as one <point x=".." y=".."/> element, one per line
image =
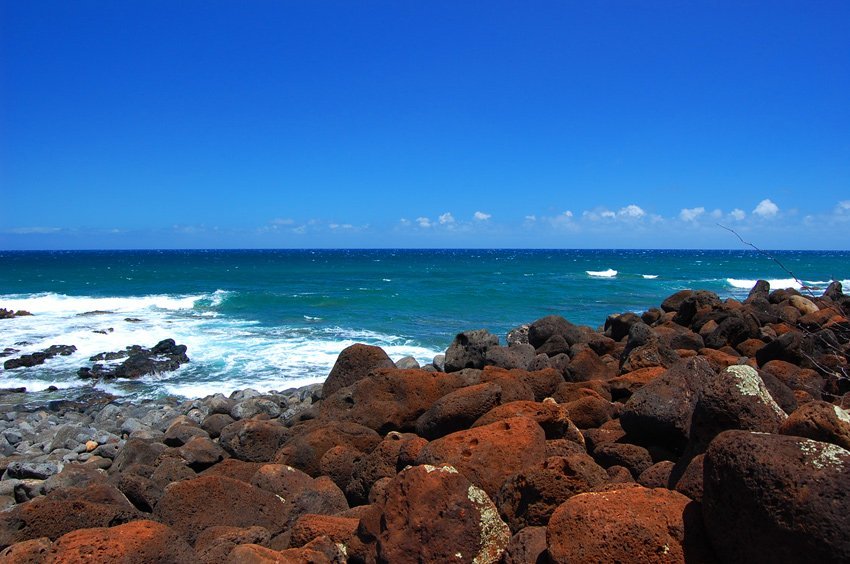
<point x="161" y="124"/>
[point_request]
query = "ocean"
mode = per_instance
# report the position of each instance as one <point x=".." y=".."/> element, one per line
<point x="276" y="319"/>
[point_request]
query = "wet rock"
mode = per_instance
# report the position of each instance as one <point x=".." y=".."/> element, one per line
<point x="165" y="356"/>
<point x="634" y="524"/>
<point x="36" y="358"/>
<point x="776" y="498"/>
<point x="404" y="529"/>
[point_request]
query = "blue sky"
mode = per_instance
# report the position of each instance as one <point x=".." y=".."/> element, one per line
<point x="430" y="124"/>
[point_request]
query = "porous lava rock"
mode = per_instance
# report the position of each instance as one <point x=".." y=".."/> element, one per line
<point x="135" y="542"/>
<point x="355" y="363"/>
<point x="776" y="498"/>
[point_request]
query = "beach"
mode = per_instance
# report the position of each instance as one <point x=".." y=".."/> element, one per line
<point x="682" y="433"/>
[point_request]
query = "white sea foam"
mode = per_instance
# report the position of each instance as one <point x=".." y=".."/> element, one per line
<point x="778" y="283"/>
<point x="649" y="276"/>
<point x="610" y="273"/>
<point x="226" y="354"/>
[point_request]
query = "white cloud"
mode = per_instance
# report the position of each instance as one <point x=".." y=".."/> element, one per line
<point x="424" y="222"/>
<point x="37" y="230"/>
<point x="343" y="226"/>
<point x="717" y="214"/>
<point x="766" y="209"/>
<point x="691" y="214"/>
<point x="481" y="216"/>
<point x="607" y="214"/>
<point x="531" y="218"/>
<point x="567" y="214"/>
<point x="446" y="218"/>
<point x="843" y="206"/>
<point x="737" y="214"/>
<point x="631" y="211"/>
<point x="404" y="221"/>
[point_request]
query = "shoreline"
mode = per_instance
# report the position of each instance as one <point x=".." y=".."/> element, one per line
<point x="654" y="410"/>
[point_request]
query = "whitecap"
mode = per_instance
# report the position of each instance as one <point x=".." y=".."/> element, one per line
<point x="774" y="283"/>
<point x="650" y="276"/>
<point x="311" y="318"/>
<point x="610" y="273"/>
<point x="387" y="279"/>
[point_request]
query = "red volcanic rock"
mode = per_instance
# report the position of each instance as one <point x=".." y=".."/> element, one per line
<point x="389" y="400"/>
<point x="623" y="387"/>
<point x="657" y="475"/>
<point x="65" y="510"/>
<point x="404" y="529"/>
<point x="775" y="498"/>
<point x="382" y="462"/>
<point x="691" y="480"/>
<point x="660" y="412"/>
<point x="527" y="546"/>
<point x="215" y="543"/>
<point x="571" y="391"/>
<point x="633" y="457"/>
<point x="191" y="506"/>
<point x="32" y="551"/>
<point x="586" y="365"/>
<point x="304" y="450"/>
<point x="256" y="554"/>
<point x="253" y="440"/>
<point x="549" y="415"/>
<point x="233" y="468"/>
<point x="139" y="541"/>
<point x="322" y="497"/>
<point x="355" y="363"/>
<point x="487" y="455"/>
<point x="282" y="480"/>
<point x="311" y="526"/>
<point x="634" y="524"/>
<point x="819" y="421"/>
<point x="719" y="359"/>
<point x="530" y="497"/>
<point x="338" y="463"/>
<point x="542" y="383"/>
<point x="590" y="412"/>
<point x="457" y="410"/>
<point x="750" y="347"/>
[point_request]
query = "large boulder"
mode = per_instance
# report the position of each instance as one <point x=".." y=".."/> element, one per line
<point x="389" y="400"/>
<point x="645" y="349"/>
<point x="404" y="528"/>
<point x="457" y="410"/>
<point x="253" y="440"/>
<point x="191" y="506"/>
<point x="819" y="421"/>
<point x="553" y="418"/>
<point x="633" y="524"/>
<point x="136" y="542"/>
<point x="354" y="363"/>
<point x="736" y="399"/>
<point x="306" y="448"/>
<point x="553" y="325"/>
<point x="530" y="497"/>
<point x="775" y="498"/>
<point x="488" y="455"/>
<point x="469" y="349"/>
<point x="660" y="412"/>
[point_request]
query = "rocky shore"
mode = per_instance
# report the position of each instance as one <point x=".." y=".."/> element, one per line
<point x="704" y="430"/>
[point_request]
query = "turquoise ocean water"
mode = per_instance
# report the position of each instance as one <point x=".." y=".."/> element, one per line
<point x="274" y="319"/>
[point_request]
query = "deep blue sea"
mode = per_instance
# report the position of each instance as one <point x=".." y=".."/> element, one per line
<point x="275" y="319"/>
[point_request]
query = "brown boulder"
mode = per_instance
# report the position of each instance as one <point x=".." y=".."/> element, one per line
<point x="586" y="365"/>
<point x="657" y="475"/>
<point x="281" y="480"/>
<point x="590" y="412"/>
<point x="311" y="526"/>
<point x="623" y="387"/>
<point x="389" y="400"/>
<point x="819" y="421"/>
<point x="528" y="546"/>
<point x="404" y="527"/>
<point x="32" y="551"/>
<point x="634" y="524"/>
<point x="191" y="506"/>
<point x="635" y="458"/>
<point x="690" y="481"/>
<point x="542" y="383"/>
<point x="65" y="510"/>
<point x="253" y="440"/>
<point x="382" y="462"/>
<point x="201" y="452"/>
<point x="304" y="450"/>
<point x="215" y="543"/>
<point x="776" y="498"/>
<point x="551" y="417"/>
<point x="256" y="554"/>
<point x="138" y="541"/>
<point x="530" y="497"/>
<point x="457" y="410"/>
<point x="232" y="468"/>
<point x="488" y="455"/>
<point x="355" y="363"/>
